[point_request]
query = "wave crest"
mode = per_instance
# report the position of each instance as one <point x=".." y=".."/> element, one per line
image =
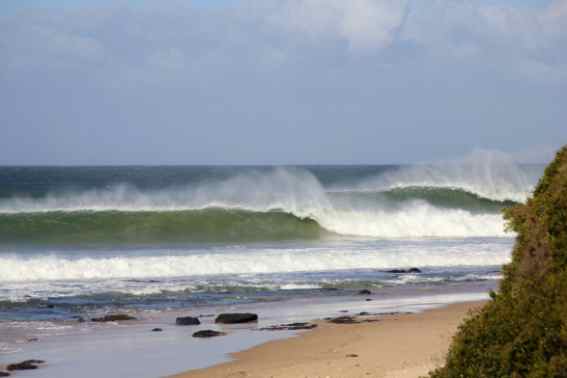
<point x="488" y="174"/>
<point x="453" y="199"/>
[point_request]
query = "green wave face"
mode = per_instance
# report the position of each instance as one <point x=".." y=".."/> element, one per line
<point x="153" y="227"/>
<point x="221" y="225"/>
<point x="449" y="198"/>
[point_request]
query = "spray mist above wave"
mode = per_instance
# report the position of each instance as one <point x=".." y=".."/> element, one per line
<point x="295" y="190"/>
<point x="488" y="174"/>
<point x="485" y="175"/>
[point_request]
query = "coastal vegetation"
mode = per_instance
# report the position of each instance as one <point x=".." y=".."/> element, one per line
<point x="522" y="331"/>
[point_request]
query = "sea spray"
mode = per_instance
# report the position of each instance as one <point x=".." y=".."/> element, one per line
<point x="489" y="174"/>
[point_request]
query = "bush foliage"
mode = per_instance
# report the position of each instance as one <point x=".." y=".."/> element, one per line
<point x="522" y="331"/>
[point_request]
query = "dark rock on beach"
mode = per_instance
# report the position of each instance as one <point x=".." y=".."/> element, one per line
<point x="4" y="374"/>
<point x="25" y="365"/>
<point x="404" y="271"/>
<point x="343" y="320"/>
<point x="187" y="321"/>
<point x="113" y="318"/>
<point x="364" y="292"/>
<point x="208" y="333"/>
<point x="157" y="330"/>
<point x="350" y="320"/>
<point x="236" y="318"/>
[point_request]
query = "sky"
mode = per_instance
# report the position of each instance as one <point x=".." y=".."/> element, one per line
<point x="86" y="82"/>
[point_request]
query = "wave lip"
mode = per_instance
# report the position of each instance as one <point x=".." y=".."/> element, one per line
<point x="417" y="219"/>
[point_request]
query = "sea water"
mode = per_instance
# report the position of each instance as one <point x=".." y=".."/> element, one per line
<point x="76" y="242"/>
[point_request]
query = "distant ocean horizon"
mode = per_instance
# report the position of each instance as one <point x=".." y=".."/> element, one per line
<point x="74" y="240"/>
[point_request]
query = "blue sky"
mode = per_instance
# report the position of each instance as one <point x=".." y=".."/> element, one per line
<point x="280" y="81"/>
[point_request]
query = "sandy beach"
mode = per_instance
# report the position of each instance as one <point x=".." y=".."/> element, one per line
<point x="396" y="346"/>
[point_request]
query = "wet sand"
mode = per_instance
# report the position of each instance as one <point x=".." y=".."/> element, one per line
<point x="395" y="346"/>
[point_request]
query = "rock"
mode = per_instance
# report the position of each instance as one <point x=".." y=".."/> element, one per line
<point x="25" y="365"/>
<point x="208" y="333"/>
<point x="113" y="318"/>
<point x="343" y="320"/>
<point x="368" y="299"/>
<point x="364" y="292"/>
<point x="289" y="327"/>
<point x="187" y="321"/>
<point x="363" y="313"/>
<point x="236" y="318"/>
<point x="352" y="355"/>
<point x="157" y="330"/>
<point x="404" y="271"/>
<point x="4" y="374"/>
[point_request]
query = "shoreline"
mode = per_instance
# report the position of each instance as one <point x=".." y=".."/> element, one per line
<point x="396" y="346"/>
<point x="90" y="349"/>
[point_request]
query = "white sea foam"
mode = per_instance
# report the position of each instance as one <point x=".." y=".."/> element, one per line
<point x="14" y="268"/>
<point x="417" y="219"/>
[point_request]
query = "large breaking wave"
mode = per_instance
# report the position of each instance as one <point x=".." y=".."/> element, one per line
<point x="461" y="199"/>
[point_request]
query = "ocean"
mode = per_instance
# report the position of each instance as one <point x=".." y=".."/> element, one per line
<point x="81" y="240"/>
<point x="293" y="243"/>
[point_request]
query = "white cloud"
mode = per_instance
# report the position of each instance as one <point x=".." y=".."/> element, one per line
<point x="361" y="23"/>
<point x="414" y="73"/>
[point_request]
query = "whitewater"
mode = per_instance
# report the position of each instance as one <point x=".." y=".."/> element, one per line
<point x="90" y="237"/>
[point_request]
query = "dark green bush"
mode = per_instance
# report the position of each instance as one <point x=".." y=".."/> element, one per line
<point x="522" y="331"/>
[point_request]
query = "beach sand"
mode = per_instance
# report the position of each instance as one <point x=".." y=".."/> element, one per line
<point x="397" y="346"/>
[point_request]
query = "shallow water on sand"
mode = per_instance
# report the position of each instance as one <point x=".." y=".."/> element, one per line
<point x="124" y="350"/>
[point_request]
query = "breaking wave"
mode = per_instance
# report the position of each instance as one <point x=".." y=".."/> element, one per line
<point x="454" y="199"/>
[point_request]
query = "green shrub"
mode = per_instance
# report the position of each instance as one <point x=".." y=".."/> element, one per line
<point x="522" y="331"/>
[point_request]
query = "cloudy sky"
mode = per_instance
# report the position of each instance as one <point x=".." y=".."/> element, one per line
<point x="280" y="81"/>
